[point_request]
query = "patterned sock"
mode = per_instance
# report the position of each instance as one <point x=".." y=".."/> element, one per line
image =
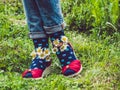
<point x="39" y="55"/>
<point x="41" y="42"/>
<point x="63" y="50"/>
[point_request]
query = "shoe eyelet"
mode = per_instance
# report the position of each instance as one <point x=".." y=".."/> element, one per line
<point x="29" y="70"/>
<point x="67" y="66"/>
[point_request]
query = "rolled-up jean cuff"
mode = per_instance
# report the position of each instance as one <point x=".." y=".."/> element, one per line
<point x="35" y="35"/>
<point x="53" y="29"/>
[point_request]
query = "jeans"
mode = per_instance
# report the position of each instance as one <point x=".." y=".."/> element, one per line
<point x="43" y="17"/>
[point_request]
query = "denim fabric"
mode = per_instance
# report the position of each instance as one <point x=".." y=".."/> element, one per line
<point x="43" y="17"/>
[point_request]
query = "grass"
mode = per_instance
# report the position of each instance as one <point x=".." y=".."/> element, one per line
<point x="100" y="59"/>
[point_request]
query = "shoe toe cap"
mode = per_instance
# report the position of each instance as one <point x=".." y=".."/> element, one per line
<point x="69" y="72"/>
<point x="28" y="75"/>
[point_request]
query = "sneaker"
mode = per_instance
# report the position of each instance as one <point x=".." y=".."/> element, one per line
<point x="40" y="65"/>
<point x="73" y="69"/>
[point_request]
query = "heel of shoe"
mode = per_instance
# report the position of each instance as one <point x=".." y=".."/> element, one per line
<point x="46" y="71"/>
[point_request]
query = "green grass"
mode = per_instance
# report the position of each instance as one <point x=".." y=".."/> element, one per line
<point x="100" y="59"/>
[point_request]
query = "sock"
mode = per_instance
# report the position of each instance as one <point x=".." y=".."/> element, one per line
<point x="63" y="49"/>
<point x="41" y="42"/>
<point x="39" y="55"/>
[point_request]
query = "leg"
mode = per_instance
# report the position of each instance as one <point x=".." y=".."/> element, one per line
<point x="34" y="20"/>
<point x="41" y="60"/>
<point x="51" y="14"/>
<point x="50" y="11"/>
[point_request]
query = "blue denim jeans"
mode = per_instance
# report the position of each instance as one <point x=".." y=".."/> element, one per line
<point x="43" y="17"/>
